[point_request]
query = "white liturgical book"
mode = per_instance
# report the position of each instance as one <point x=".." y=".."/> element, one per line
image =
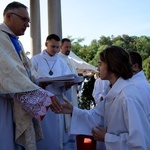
<point x="60" y="80"/>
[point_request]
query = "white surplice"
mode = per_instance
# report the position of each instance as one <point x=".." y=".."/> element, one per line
<point x="101" y="88"/>
<point x="53" y="125"/>
<point x="143" y="86"/>
<point x="122" y="115"/>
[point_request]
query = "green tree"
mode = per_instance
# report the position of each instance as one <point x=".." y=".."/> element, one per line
<point x="76" y="48"/>
<point x="146" y="67"/>
<point x="105" y="41"/>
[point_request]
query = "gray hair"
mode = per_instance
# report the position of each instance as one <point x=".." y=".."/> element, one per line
<point x="13" y="5"/>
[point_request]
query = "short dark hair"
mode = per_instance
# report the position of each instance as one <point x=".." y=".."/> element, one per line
<point x="13" y="5"/>
<point x="118" y="61"/>
<point x="136" y="59"/>
<point x="52" y="36"/>
<point x="65" y="40"/>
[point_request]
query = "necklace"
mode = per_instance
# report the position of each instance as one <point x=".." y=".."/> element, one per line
<point x="50" y="72"/>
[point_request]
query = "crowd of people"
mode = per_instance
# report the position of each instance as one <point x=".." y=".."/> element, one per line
<point x="41" y="116"/>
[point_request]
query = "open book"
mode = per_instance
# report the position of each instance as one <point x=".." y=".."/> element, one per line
<point x="60" y="80"/>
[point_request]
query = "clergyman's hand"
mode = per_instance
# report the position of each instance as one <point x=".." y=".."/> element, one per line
<point x="55" y="106"/>
<point x="43" y="85"/>
<point x="67" y="107"/>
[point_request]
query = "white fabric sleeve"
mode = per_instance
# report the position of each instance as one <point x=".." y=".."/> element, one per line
<point x="83" y="121"/>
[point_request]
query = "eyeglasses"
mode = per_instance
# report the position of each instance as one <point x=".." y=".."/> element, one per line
<point x="24" y="19"/>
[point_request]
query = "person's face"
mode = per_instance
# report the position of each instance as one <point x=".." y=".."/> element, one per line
<point x="18" y="21"/>
<point x="66" y="48"/>
<point x="136" y="68"/>
<point x="52" y="47"/>
<point x="102" y="68"/>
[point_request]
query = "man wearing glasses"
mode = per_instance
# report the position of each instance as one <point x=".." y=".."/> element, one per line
<point x="24" y="19"/>
<point x="22" y="102"/>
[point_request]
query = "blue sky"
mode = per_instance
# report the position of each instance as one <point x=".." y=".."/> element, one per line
<point x="90" y="19"/>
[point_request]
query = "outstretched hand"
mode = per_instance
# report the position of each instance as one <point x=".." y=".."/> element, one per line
<point x="66" y="108"/>
<point x="99" y="133"/>
<point x="55" y="106"/>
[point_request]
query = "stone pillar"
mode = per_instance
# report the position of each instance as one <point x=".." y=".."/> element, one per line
<point x="54" y="17"/>
<point x="35" y="28"/>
